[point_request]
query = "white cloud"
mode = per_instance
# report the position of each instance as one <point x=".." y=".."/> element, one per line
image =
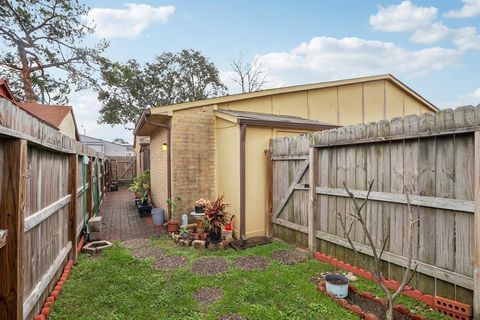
<point x="324" y="58"/>
<point x="471" y="8"/>
<point x="467" y="38"/>
<point x="471" y="98"/>
<point x="403" y="17"/>
<point x="87" y="108"/>
<point x="129" y="22"/>
<point x="431" y="34"/>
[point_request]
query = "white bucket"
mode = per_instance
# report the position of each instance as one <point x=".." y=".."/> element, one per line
<point x="157" y="216"/>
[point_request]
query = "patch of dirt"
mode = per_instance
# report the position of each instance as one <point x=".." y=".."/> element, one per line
<point x="209" y="266"/>
<point x="289" y="257"/>
<point x="170" y="262"/>
<point x="232" y="317"/>
<point x="249" y="263"/>
<point x="147" y="252"/>
<point x="208" y="295"/>
<point x="136" y="243"/>
<point x="370" y="306"/>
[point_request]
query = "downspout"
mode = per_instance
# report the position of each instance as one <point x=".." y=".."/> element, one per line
<point x="169" y="148"/>
<point x="243" y="134"/>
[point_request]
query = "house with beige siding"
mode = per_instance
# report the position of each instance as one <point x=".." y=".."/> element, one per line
<point x="217" y="146"/>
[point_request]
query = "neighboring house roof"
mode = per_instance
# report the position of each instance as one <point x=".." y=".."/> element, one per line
<point x="5" y="91"/>
<point x="89" y="139"/>
<point x="304" y="87"/>
<point x="52" y="114"/>
<point x="272" y="120"/>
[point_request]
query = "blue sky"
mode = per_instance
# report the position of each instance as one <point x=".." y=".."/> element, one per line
<point x="432" y="46"/>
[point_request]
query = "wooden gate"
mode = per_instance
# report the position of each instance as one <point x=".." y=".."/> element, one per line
<point x="121" y="169"/>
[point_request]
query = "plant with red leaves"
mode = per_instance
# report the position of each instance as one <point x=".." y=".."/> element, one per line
<point x="215" y="212"/>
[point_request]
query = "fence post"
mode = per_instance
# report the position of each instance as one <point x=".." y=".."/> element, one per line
<point x="269" y="202"/>
<point x="476" y="231"/>
<point x="90" y="187"/>
<point x="12" y="211"/>
<point x="72" y="214"/>
<point x="312" y="207"/>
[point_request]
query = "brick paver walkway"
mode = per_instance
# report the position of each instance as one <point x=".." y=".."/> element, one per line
<point x="123" y="219"/>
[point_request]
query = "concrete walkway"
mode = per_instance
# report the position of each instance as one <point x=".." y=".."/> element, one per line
<point x="123" y="219"/>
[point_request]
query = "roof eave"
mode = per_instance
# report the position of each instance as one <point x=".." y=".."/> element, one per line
<point x="284" y="124"/>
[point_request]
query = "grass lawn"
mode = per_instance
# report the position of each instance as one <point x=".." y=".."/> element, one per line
<point x="115" y="285"/>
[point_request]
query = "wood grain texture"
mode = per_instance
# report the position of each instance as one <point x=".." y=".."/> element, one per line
<point x="433" y="155"/>
<point x="12" y="210"/>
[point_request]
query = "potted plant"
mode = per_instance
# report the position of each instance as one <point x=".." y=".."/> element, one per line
<point x="140" y="186"/>
<point x="172" y="204"/>
<point x="144" y="207"/>
<point x="184" y="232"/>
<point x="217" y="217"/>
<point x="200" y="205"/>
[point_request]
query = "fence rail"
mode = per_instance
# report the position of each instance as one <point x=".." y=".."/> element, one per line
<point x="41" y="206"/>
<point x="434" y="155"/>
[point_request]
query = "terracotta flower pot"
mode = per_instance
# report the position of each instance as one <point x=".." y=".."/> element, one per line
<point x="173" y="226"/>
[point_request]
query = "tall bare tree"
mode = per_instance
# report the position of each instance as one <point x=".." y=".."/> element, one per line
<point x="377" y="255"/>
<point x="249" y="75"/>
<point x="44" y="53"/>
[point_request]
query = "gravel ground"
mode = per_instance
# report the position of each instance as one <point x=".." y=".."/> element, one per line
<point x="136" y="243"/>
<point x="249" y="263"/>
<point x="147" y="252"/>
<point x="232" y="317"/>
<point x="170" y="262"/>
<point x="289" y="257"/>
<point x="208" y="295"/>
<point x="208" y="266"/>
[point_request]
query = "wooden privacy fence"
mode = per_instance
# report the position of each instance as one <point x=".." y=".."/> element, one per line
<point x="436" y="156"/>
<point x="41" y="206"/>
<point x="121" y="169"/>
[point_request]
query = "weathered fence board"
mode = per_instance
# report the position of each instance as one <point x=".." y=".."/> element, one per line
<point x="431" y="155"/>
<point x="40" y="175"/>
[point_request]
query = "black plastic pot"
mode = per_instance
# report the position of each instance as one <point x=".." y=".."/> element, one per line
<point x="198" y="209"/>
<point x="144" y="210"/>
<point x="214" y="235"/>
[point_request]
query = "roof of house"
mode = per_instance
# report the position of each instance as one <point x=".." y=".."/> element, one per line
<point x="272" y="120"/>
<point x="289" y="89"/>
<point x="51" y="114"/>
<point x="5" y="91"/>
<point x="94" y="140"/>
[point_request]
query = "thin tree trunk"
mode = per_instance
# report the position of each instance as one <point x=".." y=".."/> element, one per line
<point x="26" y="79"/>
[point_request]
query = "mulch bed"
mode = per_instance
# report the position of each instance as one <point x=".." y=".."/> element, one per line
<point x="208" y="295"/>
<point x="170" y="262"/>
<point x="249" y="263"/>
<point x="370" y="306"/>
<point x="147" y="252"/>
<point x="136" y="243"/>
<point x="289" y="257"/>
<point x="209" y="266"/>
<point x="232" y="317"/>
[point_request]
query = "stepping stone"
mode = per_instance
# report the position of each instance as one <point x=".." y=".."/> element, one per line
<point x="198" y="244"/>
<point x="185" y="242"/>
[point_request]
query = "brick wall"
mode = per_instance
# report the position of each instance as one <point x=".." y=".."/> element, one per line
<point x="158" y="168"/>
<point x="193" y="154"/>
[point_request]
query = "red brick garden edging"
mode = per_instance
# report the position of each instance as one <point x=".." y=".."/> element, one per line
<point x="366" y="295"/>
<point x="451" y="308"/>
<point x="58" y="287"/>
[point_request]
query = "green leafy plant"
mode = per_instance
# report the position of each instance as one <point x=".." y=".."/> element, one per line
<point x="141" y="185"/>
<point x="172" y="205"/>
